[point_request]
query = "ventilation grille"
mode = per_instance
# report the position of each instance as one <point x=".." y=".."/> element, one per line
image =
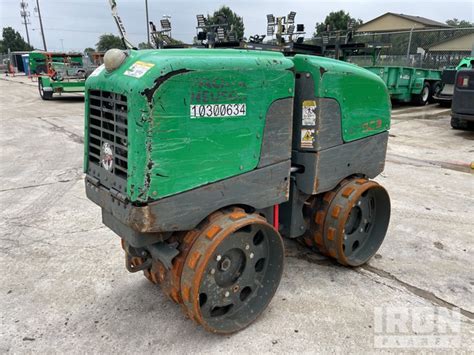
<point x="108" y="128"/>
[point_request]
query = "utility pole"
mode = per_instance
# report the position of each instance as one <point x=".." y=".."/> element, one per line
<point x="147" y="23"/>
<point x="41" y="24"/>
<point x="25" y="14"/>
<point x="409" y="45"/>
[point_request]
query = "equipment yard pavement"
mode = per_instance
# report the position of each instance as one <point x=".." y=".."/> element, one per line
<point x="65" y="287"/>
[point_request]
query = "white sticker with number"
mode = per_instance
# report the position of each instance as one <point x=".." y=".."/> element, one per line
<point x="218" y="110"/>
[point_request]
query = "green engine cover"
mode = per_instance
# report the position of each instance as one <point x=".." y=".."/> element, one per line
<point x="195" y="116"/>
<point x="362" y="96"/>
<point x="465" y="63"/>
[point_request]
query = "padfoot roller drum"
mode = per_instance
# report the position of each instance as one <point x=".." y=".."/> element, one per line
<point x="227" y="272"/>
<point x="349" y="223"/>
<point x="202" y="159"/>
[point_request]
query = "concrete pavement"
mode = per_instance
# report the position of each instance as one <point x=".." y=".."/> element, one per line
<point x="65" y="287"/>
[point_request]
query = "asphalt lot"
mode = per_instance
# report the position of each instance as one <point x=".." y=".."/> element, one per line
<point x="64" y="287"/>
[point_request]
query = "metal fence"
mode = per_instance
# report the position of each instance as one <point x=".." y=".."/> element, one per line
<point x="415" y="48"/>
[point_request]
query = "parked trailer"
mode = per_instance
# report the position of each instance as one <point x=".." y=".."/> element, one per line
<point x="407" y="84"/>
<point x="39" y="60"/>
<point x="47" y="86"/>
<point x="67" y="76"/>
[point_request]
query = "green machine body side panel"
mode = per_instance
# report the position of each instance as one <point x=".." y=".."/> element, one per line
<point x="362" y="96"/>
<point x="171" y="148"/>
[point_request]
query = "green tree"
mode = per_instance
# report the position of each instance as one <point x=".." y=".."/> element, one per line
<point x="144" y="45"/>
<point x="176" y="41"/>
<point x="13" y="40"/>
<point x="108" y="41"/>
<point x="89" y="50"/>
<point x="459" y="23"/>
<point x="337" y="21"/>
<point x="235" y="21"/>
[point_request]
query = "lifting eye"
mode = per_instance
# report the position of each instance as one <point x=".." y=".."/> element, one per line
<point x="113" y="59"/>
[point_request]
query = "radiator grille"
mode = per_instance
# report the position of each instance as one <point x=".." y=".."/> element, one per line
<point x="108" y="132"/>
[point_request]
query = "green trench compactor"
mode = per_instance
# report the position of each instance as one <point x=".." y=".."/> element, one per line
<point x="203" y="159"/>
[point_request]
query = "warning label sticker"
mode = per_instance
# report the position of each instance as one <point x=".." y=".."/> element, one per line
<point x="309" y="113"/>
<point x="138" y="69"/>
<point x="307" y="138"/>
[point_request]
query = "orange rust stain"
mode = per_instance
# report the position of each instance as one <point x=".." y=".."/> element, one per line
<point x="328" y="197"/>
<point x="186" y="293"/>
<point x="320" y="217"/>
<point x="136" y="261"/>
<point x="316" y="184"/>
<point x="237" y="215"/>
<point x="188" y="238"/>
<point x="331" y="233"/>
<point x="193" y="259"/>
<point x="318" y="239"/>
<point x="211" y="233"/>
<point x="161" y="273"/>
<point x="174" y="296"/>
<point x="348" y="191"/>
<point x="333" y="253"/>
<point x="150" y="275"/>
<point x="336" y="211"/>
<point x="176" y="269"/>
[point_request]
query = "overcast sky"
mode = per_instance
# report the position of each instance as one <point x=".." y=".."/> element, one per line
<point x="79" y="23"/>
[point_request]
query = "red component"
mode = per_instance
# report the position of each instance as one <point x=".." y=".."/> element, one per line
<point x="276" y="217"/>
<point x="463" y="81"/>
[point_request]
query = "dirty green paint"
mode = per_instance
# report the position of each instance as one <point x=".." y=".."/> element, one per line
<point x="404" y="82"/>
<point x="76" y="85"/>
<point x="465" y="63"/>
<point x="170" y="152"/>
<point x="362" y="96"/>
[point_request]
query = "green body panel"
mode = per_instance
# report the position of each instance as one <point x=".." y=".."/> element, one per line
<point x="465" y="63"/>
<point x="362" y="96"/>
<point x="403" y="82"/>
<point x="63" y="86"/>
<point x="170" y="152"/>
